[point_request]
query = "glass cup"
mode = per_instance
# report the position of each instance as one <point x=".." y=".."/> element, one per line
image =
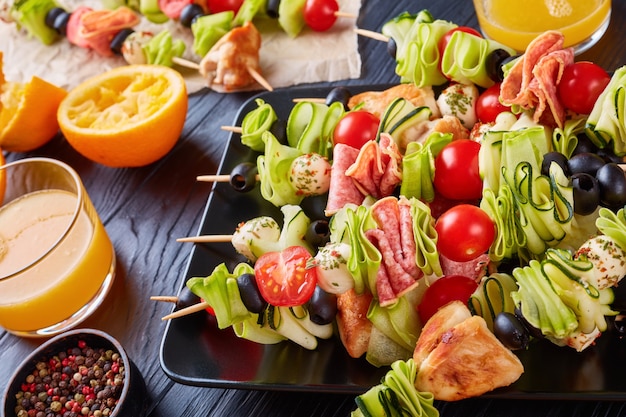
<point x="57" y="262"/>
<point x="517" y="23"/>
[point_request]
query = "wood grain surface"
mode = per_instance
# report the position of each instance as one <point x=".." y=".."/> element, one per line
<point x="146" y="209"/>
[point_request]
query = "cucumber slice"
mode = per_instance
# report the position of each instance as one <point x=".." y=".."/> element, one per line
<point x="291" y="16"/>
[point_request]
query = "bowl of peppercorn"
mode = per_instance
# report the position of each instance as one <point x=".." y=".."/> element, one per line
<point x="82" y="372"/>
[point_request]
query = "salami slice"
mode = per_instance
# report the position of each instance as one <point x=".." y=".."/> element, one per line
<point x="342" y="190"/>
<point x="395" y="240"/>
<point x="474" y="269"/>
<point x="532" y="81"/>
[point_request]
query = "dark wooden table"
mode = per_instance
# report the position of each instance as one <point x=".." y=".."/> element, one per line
<point x="146" y="209"/>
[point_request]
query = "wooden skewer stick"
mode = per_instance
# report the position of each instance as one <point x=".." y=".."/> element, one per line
<point x="185" y="63"/>
<point x="312" y="100"/>
<point x="165" y="298"/>
<point x="372" y="35"/>
<point x="234" y="129"/>
<point x="206" y="239"/>
<point x="187" y="310"/>
<point x="259" y="79"/>
<point x="339" y="13"/>
<point x="218" y="178"/>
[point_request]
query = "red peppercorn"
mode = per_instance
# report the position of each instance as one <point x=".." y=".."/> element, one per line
<point x="82" y="344"/>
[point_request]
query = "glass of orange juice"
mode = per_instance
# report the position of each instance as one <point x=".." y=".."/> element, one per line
<point x="57" y="262"/>
<point x="517" y="23"/>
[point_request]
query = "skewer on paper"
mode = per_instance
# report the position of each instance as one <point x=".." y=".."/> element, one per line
<point x="254" y="73"/>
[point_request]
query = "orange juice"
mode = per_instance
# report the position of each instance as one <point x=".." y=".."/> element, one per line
<point x="517" y="23"/>
<point x="69" y="273"/>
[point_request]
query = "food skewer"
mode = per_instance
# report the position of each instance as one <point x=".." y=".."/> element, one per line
<point x="254" y="73"/>
<point x="186" y="311"/>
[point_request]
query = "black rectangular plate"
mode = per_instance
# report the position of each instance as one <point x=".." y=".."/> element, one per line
<point x="195" y="352"/>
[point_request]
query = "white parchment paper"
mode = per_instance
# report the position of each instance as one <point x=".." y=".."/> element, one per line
<point x="311" y="57"/>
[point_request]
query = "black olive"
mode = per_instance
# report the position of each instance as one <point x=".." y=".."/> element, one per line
<point x="271" y="8"/>
<point x="322" y="307"/>
<point x="339" y="94"/>
<point x="189" y="13"/>
<point x="584" y="144"/>
<point x="619" y="298"/>
<point x="532" y="330"/>
<point x="392" y="48"/>
<point x="243" y="176"/>
<point x="186" y="298"/>
<point x="557" y="157"/>
<point x="318" y="233"/>
<point x="279" y="130"/>
<point x="586" y="162"/>
<point x="612" y="186"/>
<point x="60" y="22"/>
<point x="586" y="193"/>
<point x="510" y="331"/>
<point x="609" y="156"/>
<point x="52" y="15"/>
<point x="250" y="294"/>
<point x="118" y="40"/>
<point x="314" y="206"/>
<point x="494" y="62"/>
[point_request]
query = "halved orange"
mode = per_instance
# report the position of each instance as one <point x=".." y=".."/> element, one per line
<point x="28" y="113"/>
<point x="129" y="116"/>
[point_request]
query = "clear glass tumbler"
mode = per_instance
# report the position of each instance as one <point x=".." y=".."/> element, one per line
<point x="57" y="262"/>
<point x="517" y="23"/>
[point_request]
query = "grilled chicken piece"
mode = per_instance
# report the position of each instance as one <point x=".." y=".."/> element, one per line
<point x="229" y="61"/>
<point x="467" y="361"/>
<point x="376" y="102"/>
<point x="352" y="322"/>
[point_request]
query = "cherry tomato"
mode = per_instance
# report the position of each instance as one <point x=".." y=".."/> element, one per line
<point x="283" y="277"/>
<point x="356" y="128"/>
<point x="172" y="8"/>
<point x="581" y="85"/>
<point x="445" y="39"/>
<point x="443" y="291"/>
<point x="217" y="6"/>
<point x="319" y="15"/>
<point x="456" y="171"/>
<point x="464" y="232"/>
<point x="488" y="105"/>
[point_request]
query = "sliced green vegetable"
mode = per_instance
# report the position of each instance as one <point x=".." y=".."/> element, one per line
<point x="539" y="303"/>
<point x="208" y="29"/>
<point x="255" y="123"/>
<point x="151" y="10"/>
<point x="221" y="292"/>
<point x="365" y="258"/>
<point x="248" y="11"/>
<point x="307" y="123"/>
<point x="274" y="167"/>
<point x="465" y="58"/>
<point x="396" y="395"/>
<point x="493" y="296"/>
<point x="418" y="166"/>
<point x="607" y="121"/>
<point x="31" y="15"/>
<point x="401" y="115"/>
<point x="417" y="57"/>
<point x="426" y="254"/>
<point x="573" y="280"/>
<point x="565" y="140"/>
<point x="398" y="28"/>
<point x="291" y="16"/>
<point x="613" y="225"/>
<point x="162" y="48"/>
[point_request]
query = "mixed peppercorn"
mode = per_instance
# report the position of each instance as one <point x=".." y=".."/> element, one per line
<point x="81" y="381"/>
